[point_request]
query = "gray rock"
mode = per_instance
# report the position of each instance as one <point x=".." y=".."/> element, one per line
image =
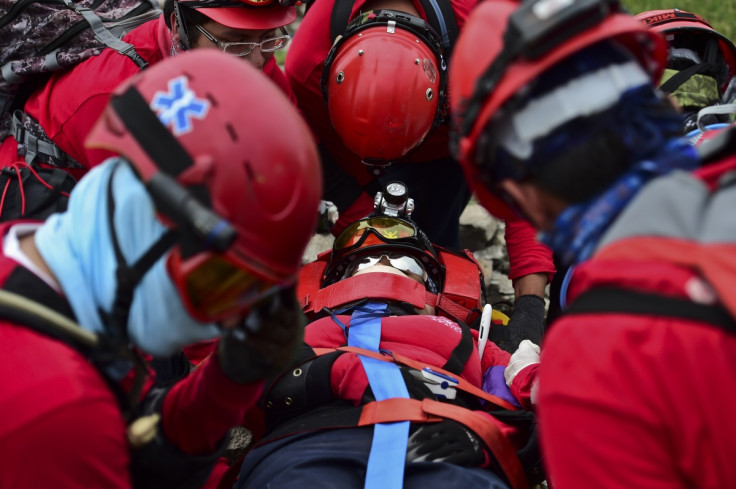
<point x="240" y="440"/>
<point x="318" y="244"/>
<point x="477" y="228"/>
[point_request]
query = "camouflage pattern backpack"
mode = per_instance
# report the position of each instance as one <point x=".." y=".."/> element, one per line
<point x="38" y="37"/>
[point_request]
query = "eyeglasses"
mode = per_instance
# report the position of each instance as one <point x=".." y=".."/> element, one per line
<point x="213" y="287"/>
<point x="245" y="48"/>
<point x="387" y="227"/>
<point x="404" y="263"/>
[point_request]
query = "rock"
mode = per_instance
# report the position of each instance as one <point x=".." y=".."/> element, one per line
<point x="477" y="227"/>
<point x="318" y="244"/>
<point x="240" y="439"/>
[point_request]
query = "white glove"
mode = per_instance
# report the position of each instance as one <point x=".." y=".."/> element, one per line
<point x="527" y="354"/>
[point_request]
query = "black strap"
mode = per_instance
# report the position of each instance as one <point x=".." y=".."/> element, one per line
<point x="128" y="276"/>
<point x="339" y="19"/>
<point x="342" y="9"/>
<point x="436" y="9"/>
<point x="23" y="282"/>
<point x="684" y="75"/>
<point x="143" y="124"/>
<point x="461" y="353"/>
<point x="609" y="300"/>
<point x="29" y="286"/>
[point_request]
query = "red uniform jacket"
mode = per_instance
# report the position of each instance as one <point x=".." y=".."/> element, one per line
<point x="631" y="400"/>
<point x="61" y="425"/>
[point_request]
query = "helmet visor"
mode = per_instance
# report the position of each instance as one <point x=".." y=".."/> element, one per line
<point x="214" y="288"/>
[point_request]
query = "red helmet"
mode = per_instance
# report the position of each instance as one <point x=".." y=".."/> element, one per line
<point x="481" y="58"/>
<point x="256" y="171"/>
<point x="246" y="14"/>
<point x="384" y="84"/>
<point x="686" y="29"/>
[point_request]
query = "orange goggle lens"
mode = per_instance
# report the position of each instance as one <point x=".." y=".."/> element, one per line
<point x="215" y="288"/>
<point x="387" y="227"/>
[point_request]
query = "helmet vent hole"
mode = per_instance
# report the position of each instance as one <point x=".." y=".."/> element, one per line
<point x="340" y="77"/>
<point x="249" y="170"/>
<point x="231" y="132"/>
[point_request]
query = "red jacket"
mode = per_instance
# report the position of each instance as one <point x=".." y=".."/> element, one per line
<point x="303" y="68"/>
<point x="61" y="425"/>
<point x="631" y="400"/>
<point x="69" y="104"/>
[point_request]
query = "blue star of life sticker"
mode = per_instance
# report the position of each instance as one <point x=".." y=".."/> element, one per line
<point x="178" y="106"/>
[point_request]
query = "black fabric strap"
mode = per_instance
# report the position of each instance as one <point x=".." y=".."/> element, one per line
<point x="339" y="19"/>
<point x="160" y="145"/>
<point x="684" y="75"/>
<point x="128" y="276"/>
<point x="342" y="8"/>
<point x="23" y="282"/>
<point x="337" y="414"/>
<point x="611" y="300"/>
<point x="433" y="9"/>
<point x="461" y="353"/>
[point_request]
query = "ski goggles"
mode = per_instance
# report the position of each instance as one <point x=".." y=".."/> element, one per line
<point x="388" y="228"/>
<point x="404" y="263"/>
<point x="214" y="287"/>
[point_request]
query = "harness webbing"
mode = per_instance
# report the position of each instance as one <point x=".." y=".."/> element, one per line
<point x="611" y="300"/>
<point x="388" y="450"/>
<point x="462" y="384"/>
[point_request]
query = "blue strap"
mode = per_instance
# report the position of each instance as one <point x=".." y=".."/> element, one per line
<point x="388" y="449"/>
<point x="443" y="25"/>
<point x="564" y="286"/>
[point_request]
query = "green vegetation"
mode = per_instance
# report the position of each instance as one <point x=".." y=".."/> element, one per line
<point x="721" y="14"/>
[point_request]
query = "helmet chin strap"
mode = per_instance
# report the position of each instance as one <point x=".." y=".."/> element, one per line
<point x="128" y="276"/>
<point x="181" y="27"/>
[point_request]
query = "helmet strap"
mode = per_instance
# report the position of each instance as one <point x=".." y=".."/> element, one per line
<point x="181" y="26"/>
<point x="189" y="207"/>
<point x="128" y="276"/>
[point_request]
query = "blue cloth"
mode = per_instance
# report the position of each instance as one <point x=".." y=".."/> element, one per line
<point x="336" y="459"/>
<point x="386" y="461"/>
<point x="77" y="246"/>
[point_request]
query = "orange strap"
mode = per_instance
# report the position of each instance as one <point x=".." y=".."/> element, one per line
<point x="428" y="411"/>
<point x="463" y="384"/>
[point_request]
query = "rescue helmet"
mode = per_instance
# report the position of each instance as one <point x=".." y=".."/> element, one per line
<point x="241" y="188"/>
<point x="384" y="84"/>
<point x="505" y="46"/>
<point x="245" y="14"/>
<point x="701" y="63"/>
<point x="688" y="31"/>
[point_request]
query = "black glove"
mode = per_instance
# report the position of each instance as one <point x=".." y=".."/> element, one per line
<point x="446" y="441"/>
<point x="266" y="343"/>
<point x="526" y="323"/>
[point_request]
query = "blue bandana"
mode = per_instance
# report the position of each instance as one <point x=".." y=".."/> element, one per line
<point x="78" y="249"/>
